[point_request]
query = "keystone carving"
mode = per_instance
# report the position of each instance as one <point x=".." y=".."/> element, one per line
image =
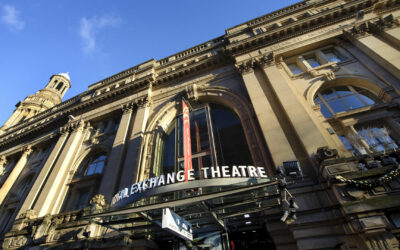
<point x="191" y="92"/>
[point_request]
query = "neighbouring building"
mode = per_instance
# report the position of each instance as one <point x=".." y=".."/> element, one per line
<point x="294" y="130"/>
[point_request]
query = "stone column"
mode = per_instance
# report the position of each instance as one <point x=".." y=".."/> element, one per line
<point x="51" y="192"/>
<point x="112" y="172"/>
<point x="131" y="171"/>
<point x="274" y="135"/>
<point x="35" y="191"/>
<point x="306" y="136"/>
<point x="310" y="134"/>
<point x="15" y="172"/>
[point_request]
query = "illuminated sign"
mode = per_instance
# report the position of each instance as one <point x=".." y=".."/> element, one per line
<point x="176" y="224"/>
<point x="172" y="178"/>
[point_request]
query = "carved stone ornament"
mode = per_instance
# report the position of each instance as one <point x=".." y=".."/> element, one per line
<point x="266" y="60"/>
<point x="328" y="73"/>
<point x="29" y="214"/>
<point x="191" y="92"/>
<point x="27" y="149"/>
<point x="97" y="203"/>
<point x="128" y="107"/>
<point x="3" y="161"/>
<point x="246" y="67"/>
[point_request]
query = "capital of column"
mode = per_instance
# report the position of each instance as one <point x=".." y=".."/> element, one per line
<point x="27" y="149"/>
<point x="79" y="126"/>
<point x="246" y="66"/>
<point x="128" y="107"/>
<point x="266" y="60"/>
<point x="357" y="31"/>
<point x="74" y="126"/>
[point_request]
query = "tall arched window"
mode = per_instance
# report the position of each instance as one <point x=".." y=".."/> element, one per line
<point x="217" y="139"/>
<point x="85" y="182"/>
<point x="342" y="98"/>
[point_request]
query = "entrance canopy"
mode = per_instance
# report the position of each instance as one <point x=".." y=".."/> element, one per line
<point x="237" y="205"/>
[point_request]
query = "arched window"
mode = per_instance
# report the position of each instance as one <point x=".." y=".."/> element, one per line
<point x="54" y="83"/>
<point x="95" y="165"/>
<point x="85" y="183"/>
<point x="59" y="86"/>
<point x="217" y="139"/>
<point x="342" y="98"/>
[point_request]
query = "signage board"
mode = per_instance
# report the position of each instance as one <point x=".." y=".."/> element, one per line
<point x="176" y="225"/>
<point x="187" y="144"/>
<point x="206" y="173"/>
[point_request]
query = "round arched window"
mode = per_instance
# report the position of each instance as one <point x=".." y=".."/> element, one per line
<point x="342" y="98"/>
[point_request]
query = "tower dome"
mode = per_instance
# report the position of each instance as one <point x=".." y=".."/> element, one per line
<point x="45" y="98"/>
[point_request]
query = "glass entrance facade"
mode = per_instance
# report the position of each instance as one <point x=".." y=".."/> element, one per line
<point x="217" y="140"/>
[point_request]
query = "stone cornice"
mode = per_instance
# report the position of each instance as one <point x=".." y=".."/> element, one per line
<point x="369" y="27"/>
<point x="233" y="31"/>
<point x="60" y="112"/>
<point x="314" y="22"/>
<point x="193" y="68"/>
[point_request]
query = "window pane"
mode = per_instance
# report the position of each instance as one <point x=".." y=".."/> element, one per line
<point x="313" y="62"/>
<point x="328" y="94"/>
<point x="198" y="132"/>
<point x="377" y="137"/>
<point x="325" y="111"/>
<point x="169" y="153"/>
<point x="348" y="145"/>
<point x="82" y="200"/>
<point x="332" y="55"/>
<point x="353" y="102"/>
<point x="343" y="91"/>
<point x="337" y="106"/>
<point x="294" y="68"/>
<point x="230" y="141"/>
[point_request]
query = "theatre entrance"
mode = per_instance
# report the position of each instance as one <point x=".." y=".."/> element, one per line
<point x="222" y="217"/>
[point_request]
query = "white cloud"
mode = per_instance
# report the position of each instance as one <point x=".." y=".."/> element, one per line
<point x="10" y="17"/>
<point x="89" y="28"/>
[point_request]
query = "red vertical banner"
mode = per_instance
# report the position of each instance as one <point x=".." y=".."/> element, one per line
<point x="187" y="145"/>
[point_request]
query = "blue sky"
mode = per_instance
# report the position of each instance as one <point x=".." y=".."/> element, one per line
<point x="95" y="39"/>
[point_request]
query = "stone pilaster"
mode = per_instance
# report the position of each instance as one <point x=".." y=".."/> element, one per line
<point x="113" y="170"/>
<point x="44" y="173"/>
<point x="53" y="190"/>
<point x="274" y="135"/>
<point x="131" y="171"/>
<point x="306" y="136"/>
<point x="15" y="172"/>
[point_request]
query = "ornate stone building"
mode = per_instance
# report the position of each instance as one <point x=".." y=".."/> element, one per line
<point x="308" y="94"/>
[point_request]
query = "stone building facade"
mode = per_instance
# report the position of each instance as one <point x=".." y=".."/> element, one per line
<point x="310" y="93"/>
